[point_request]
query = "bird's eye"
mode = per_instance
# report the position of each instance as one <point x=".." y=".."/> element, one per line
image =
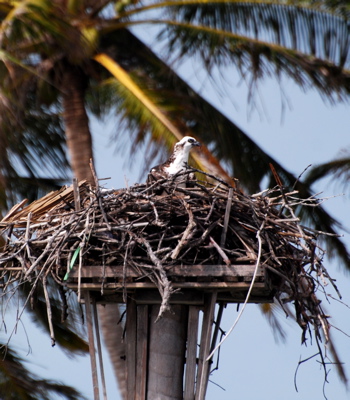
<point x="191" y="140"/>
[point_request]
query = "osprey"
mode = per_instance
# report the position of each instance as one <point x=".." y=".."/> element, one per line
<point x="176" y="163"/>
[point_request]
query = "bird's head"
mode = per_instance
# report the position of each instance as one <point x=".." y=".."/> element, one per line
<point x="186" y="143"/>
<point x="178" y="160"/>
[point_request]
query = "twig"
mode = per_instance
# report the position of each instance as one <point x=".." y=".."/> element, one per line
<point x="48" y="310"/>
<point x="300" y="175"/>
<point x="220" y="251"/>
<point x="227" y="217"/>
<point x="98" y="195"/>
<point x="187" y="233"/>
<point x="76" y="194"/>
<point x="164" y="281"/>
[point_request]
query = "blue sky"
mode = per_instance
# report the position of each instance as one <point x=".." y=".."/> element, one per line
<point x="252" y="364"/>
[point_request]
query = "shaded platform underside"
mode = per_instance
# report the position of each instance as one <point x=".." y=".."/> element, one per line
<point x="190" y="282"/>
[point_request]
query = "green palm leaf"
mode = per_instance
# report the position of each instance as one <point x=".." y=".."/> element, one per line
<point x="307" y="42"/>
<point x="143" y="110"/>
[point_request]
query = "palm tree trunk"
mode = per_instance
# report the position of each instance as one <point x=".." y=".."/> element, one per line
<point x="76" y="121"/>
<point x="78" y="138"/>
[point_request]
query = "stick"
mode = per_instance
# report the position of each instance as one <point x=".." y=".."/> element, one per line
<point x="49" y="311"/>
<point x="220" y="251"/>
<point x="227" y="217"/>
<point x="187" y="233"/>
<point x="91" y="346"/>
<point x="76" y="194"/>
<point x="98" y="196"/>
<point x="99" y="349"/>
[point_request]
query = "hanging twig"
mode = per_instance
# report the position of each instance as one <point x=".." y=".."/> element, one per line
<point x="48" y="309"/>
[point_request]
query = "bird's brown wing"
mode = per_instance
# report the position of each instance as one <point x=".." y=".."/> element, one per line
<point x="155" y="174"/>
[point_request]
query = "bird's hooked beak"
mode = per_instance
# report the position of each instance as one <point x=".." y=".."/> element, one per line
<point x="196" y="144"/>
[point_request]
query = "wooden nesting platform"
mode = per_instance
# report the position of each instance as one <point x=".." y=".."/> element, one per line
<point x="177" y="240"/>
<point x="190" y="282"/>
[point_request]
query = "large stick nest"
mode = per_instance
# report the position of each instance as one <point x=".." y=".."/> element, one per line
<point x="151" y="228"/>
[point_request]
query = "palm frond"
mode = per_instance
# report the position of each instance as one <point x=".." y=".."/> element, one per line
<point x="68" y="328"/>
<point x="32" y="137"/>
<point x="256" y="59"/>
<point x="18" y="383"/>
<point x="32" y="147"/>
<point x="339" y="169"/>
<point x="189" y="111"/>
<point x="272" y="313"/>
<point x="307" y="41"/>
<point x="300" y="26"/>
<point x="14" y="188"/>
<point x="149" y="112"/>
<point x="27" y="27"/>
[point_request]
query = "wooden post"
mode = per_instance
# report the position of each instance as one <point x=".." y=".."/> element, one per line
<point x="91" y="345"/>
<point x="217" y="325"/>
<point x="131" y="348"/>
<point x="203" y="365"/>
<point x="76" y="193"/>
<point x="99" y="349"/>
<point x="142" y="335"/>
<point x="191" y="354"/>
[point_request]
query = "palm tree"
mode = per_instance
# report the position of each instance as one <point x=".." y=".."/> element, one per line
<point x="64" y="61"/>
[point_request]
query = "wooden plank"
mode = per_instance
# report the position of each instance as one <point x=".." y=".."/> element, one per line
<point x="92" y="350"/>
<point x="191" y="354"/>
<point x="141" y="352"/>
<point x="203" y="365"/>
<point x="131" y="348"/>
<point x="150" y="285"/>
<point x="92" y="271"/>
<point x="258" y="295"/>
<point x="149" y="296"/>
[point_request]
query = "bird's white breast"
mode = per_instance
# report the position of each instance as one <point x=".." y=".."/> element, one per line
<point x="179" y="162"/>
<point x="175" y="167"/>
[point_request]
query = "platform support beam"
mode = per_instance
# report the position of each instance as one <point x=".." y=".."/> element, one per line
<point x="191" y="352"/>
<point x="89" y="321"/>
<point x="203" y="364"/>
